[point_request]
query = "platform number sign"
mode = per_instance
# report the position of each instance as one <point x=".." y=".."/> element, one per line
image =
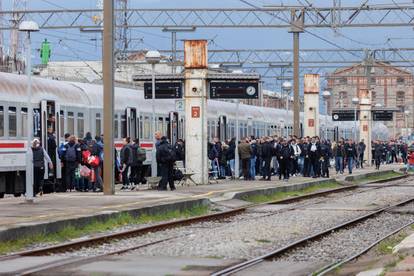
<point x="195" y="112"/>
<point x="179" y="106"/>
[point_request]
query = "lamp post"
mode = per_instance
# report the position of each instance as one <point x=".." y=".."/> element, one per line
<point x="153" y="57"/>
<point x="236" y="153"/>
<point x="406" y="113"/>
<point x="355" y="102"/>
<point x="287" y="87"/>
<point x="28" y="27"/>
<point x="326" y="94"/>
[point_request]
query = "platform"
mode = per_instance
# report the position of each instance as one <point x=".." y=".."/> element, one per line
<point x="50" y="209"/>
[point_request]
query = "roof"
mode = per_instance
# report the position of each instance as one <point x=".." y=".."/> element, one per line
<point x="376" y="64"/>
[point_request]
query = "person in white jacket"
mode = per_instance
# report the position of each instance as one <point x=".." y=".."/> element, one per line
<point x="294" y="166"/>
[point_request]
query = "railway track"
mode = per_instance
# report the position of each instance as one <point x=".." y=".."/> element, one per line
<point x="90" y="242"/>
<point x="279" y="252"/>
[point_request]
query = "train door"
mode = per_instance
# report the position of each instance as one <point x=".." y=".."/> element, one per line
<point x="48" y="118"/>
<point x="222" y="128"/>
<point x="172" y="127"/>
<point x="131" y="123"/>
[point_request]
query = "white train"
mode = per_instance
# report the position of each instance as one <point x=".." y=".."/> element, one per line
<point x="76" y="108"/>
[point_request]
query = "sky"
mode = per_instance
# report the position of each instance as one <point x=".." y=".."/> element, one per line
<point x="72" y="45"/>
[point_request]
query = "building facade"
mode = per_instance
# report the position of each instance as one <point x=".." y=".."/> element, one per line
<point x="390" y="87"/>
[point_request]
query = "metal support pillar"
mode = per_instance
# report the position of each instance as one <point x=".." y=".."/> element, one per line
<point x="174" y="51"/>
<point x="296" y="96"/>
<point x="29" y="153"/>
<point x="153" y="125"/>
<point x="108" y="100"/>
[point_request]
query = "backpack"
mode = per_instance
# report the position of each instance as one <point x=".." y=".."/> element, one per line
<point x="141" y="154"/>
<point x="61" y="151"/>
<point x="70" y="153"/>
<point x="169" y="154"/>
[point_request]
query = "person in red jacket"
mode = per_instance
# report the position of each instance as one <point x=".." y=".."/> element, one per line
<point x="410" y="163"/>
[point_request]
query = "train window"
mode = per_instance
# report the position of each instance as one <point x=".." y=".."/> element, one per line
<point x="71" y="123"/>
<point x="160" y="126"/>
<point x="140" y="128"/>
<point x="23" y="121"/>
<point x="147" y="128"/>
<point x="12" y="122"/>
<point x="123" y="126"/>
<point x="98" y="124"/>
<point x="81" y="125"/>
<point x="116" y="124"/>
<point x="62" y="124"/>
<point x="1" y="121"/>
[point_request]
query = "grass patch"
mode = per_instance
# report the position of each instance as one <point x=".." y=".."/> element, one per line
<point x="385" y="247"/>
<point x="70" y="232"/>
<point x="377" y="177"/>
<point x="282" y="195"/>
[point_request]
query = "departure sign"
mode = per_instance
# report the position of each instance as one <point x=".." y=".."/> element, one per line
<point x="382" y="115"/>
<point x="344" y="115"/>
<point x="234" y="90"/>
<point x="164" y="90"/>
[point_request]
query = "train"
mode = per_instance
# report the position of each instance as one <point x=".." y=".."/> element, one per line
<point x="77" y="108"/>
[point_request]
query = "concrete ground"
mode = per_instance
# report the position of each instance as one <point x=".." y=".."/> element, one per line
<point x="15" y="213"/>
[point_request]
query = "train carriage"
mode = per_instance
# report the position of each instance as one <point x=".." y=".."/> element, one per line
<point x="76" y="108"/>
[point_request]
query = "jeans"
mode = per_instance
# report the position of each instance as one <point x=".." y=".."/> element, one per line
<point x="232" y="164"/>
<point x="252" y="171"/>
<point x="350" y="164"/>
<point x="339" y="164"/>
<point x="266" y="173"/>
<point x="275" y="165"/>
<point x="301" y="160"/>
<point x="215" y="168"/>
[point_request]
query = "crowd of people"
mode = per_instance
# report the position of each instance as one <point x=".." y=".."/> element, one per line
<point x="82" y="159"/>
<point x="309" y="156"/>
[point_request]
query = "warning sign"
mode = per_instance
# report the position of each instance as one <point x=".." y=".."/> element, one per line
<point x="195" y="112"/>
<point x="365" y="128"/>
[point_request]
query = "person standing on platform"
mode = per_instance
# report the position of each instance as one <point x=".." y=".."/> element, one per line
<point x="166" y="159"/>
<point x="245" y="153"/>
<point x="231" y="155"/>
<point x="350" y="153"/>
<point x="286" y="154"/>
<point x="326" y="153"/>
<point x="51" y="149"/>
<point x="267" y="154"/>
<point x="361" y="151"/>
<point x="126" y="162"/>
<point x="40" y="157"/>
<point x="295" y="161"/>
<point x="71" y="158"/>
<point x="339" y="155"/>
<point x="314" y="152"/>
<point x="97" y="150"/>
<point x="253" y="157"/>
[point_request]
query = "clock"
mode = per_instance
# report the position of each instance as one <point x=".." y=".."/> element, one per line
<point x="336" y="117"/>
<point x="250" y="90"/>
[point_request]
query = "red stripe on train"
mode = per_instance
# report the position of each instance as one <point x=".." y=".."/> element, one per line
<point x="11" y="145"/>
<point x="144" y="145"/>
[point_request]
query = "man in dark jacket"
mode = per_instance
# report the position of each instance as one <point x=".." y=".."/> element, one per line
<point x="350" y="154"/>
<point x="266" y="155"/>
<point x="361" y="151"/>
<point x="285" y="155"/>
<point x="378" y="151"/>
<point x="326" y="153"/>
<point x="126" y="162"/>
<point x="245" y="152"/>
<point x="39" y="158"/>
<point x="166" y="159"/>
<point x="71" y="157"/>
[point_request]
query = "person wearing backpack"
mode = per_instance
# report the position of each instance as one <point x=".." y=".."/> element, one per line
<point x="71" y="157"/>
<point x="139" y="155"/>
<point x="40" y="158"/>
<point x="126" y="162"/>
<point x="97" y="150"/>
<point x="166" y="159"/>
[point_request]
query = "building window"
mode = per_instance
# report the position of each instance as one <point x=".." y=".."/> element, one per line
<point x="343" y="99"/>
<point x="400" y="99"/>
<point x="12" y="122"/>
<point x="400" y="80"/>
<point x="343" y="80"/>
<point x="372" y="80"/>
<point x="373" y="96"/>
<point x="23" y="127"/>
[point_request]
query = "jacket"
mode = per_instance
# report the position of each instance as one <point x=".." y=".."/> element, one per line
<point x="126" y="155"/>
<point x="245" y="151"/>
<point x="267" y="150"/>
<point x="39" y="157"/>
<point x="286" y="152"/>
<point x="165" y="153"/>
<point x="314" y="153"/>
<point x="350" y="151"/>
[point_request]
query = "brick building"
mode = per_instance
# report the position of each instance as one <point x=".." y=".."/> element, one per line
<point x="390" y="87"/>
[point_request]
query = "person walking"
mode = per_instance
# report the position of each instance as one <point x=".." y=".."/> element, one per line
<point x="40" y="158"/>
<point x="253" y="157"/>
<point x="350" y="153"/>
<point x="166" y="159"/>
<point x="139" y="155"/>
<point x="267" y="154"/>
<point x="97" y="151"/>
<point x="245" y="152"/>
<point x="339" y="154"/>
<point x="314" y="152"/>
<point x="231" y="155"/>
<point x="378" y="152"/>
<point x="295" y="161"/>
<point x="126" y="161"/>
<point x="325" y="157"/>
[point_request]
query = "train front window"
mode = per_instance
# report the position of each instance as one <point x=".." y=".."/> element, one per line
<point x="12" y="122"/>
<point x="81" y="125"/>
<point x="1" y="121"/>
<point x="23" y="128"/>
<point x="147" y="127"/>
<point x="71" y="123"/>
